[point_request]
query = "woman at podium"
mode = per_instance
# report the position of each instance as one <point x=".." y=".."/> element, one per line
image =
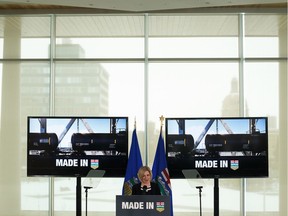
<point x="146" y="186"/>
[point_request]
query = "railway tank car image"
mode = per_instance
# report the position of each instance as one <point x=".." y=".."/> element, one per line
<point x="255" y="143"/>
<point x="43" y="143"/>
<point x="99" y="141"/>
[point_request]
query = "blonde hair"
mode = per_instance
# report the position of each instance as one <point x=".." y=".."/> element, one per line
<point x="142" y="170"/>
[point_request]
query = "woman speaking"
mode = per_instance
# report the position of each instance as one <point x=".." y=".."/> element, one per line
<point x="146" y="186"/>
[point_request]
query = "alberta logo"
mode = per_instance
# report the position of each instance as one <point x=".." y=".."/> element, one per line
<point x="234" y="164"/>
<point x="160" y="206"/>
<point x="94" y="163"/>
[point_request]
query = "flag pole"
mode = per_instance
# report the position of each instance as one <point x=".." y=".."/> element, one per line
<point x="162" y="122"/>
<point x="160" y="169"/>
<point x="133" y="164"/>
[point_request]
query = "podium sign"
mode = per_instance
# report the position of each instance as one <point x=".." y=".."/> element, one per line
<point x="143" y="205"/>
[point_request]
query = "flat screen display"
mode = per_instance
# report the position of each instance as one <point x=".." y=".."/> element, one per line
<point x="217" y="147"/>
<point x="74" y="146"/>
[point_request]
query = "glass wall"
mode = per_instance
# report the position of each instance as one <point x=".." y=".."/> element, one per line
<point x="262" y="97"/>
<point x="142" y="66"/>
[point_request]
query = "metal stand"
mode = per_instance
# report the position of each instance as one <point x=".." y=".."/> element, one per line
<point x="86" y="192"/>
<point x="91" y="174"/>
<point x="200" y="190"/>
<point x="216" y="197"/>
<point x="78" y="197"/>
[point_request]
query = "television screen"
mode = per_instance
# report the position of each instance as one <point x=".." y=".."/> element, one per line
<point x="75" y="146"/>
<point x="217" y="147"/>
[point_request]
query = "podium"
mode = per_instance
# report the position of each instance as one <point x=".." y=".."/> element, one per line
<point x="143" y="205"/>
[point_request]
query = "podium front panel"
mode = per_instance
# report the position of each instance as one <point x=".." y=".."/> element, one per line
<point x="143" y="205"/>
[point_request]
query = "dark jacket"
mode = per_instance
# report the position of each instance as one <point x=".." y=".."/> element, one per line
<point x="153" y="190"/>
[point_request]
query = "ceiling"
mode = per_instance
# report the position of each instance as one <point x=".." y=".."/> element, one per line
<point x="135" y="6"/>
<point x="180" y="25"/>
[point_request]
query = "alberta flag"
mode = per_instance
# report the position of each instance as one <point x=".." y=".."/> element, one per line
<point x="133" y="165"/>
<point x="160" y="171"/>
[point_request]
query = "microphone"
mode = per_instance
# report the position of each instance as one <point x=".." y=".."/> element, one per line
<point x="144" y="190"/>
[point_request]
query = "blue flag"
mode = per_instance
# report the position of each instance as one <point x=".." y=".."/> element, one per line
<point x="160" y="171"/>
<point x="133" y="165"/>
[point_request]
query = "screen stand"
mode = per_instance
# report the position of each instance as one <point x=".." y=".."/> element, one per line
<point x="78" y="197"/>
<point x="216" y="197"/>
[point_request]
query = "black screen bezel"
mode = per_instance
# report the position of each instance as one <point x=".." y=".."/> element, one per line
<point x="112" y="165"/>
<point x="180" y="167"/>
